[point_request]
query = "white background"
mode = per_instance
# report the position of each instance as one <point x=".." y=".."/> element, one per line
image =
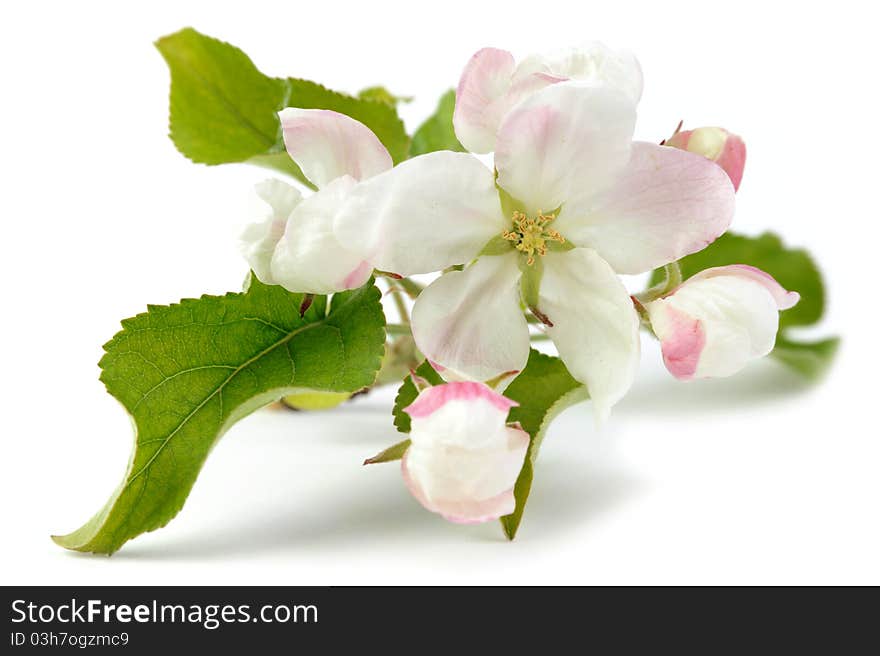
<point x="754" y="479"/>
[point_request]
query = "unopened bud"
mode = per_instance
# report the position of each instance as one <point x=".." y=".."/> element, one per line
<point x="722" y="147"/>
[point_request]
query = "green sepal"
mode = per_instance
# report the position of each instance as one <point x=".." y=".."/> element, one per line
<point x="392" y="453"/>
<point x="530" y="282"/>
<point x="408" y="392"/>
<point x="509" y="204"/>
<point x="498" y="245"/>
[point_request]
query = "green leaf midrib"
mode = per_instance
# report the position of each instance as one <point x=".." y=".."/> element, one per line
<point x="284" y="340"/>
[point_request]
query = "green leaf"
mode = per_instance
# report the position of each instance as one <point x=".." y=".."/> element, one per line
<point x="543" y="390"/>
<point x="408" y="393"/>
<point x="390" y="454"/>
<point x="811" y="359"/>
<point x="187" y="372"/>
<point x="794" y="268"/>
<point x="437" y="133"/>
<point x="224" y="110"/>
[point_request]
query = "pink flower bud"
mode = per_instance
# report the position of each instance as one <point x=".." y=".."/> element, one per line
<point x="722" y="147"/>
<point x="718" y="320"/>
<point x="463" y="460"/>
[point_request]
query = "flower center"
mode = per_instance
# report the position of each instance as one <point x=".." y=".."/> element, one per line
<point x="530" y="235"/>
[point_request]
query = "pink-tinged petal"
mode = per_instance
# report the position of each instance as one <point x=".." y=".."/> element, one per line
<point x="434" y="398"/>
<point x="471" y="481"/>
<point x="733" y="159"/>
<point x="424" y="215"/>
<point x="683" y="345"/>
<point x="308" y="257"/>
<point x="259" y="240"/>
<point x="595" y="327"/>
<point x="561" y="141"/>
<point x="717" y="144"/>
<point x="665" y="204"/>
<point x="458" y="511"/>
<point x="712" y="326"/>
<point x="481" y="98"/>
<point x="470" y="321"/>
<point x="784" y="298"/>
<point x="327" y="145"/>
<point x="492" y="85"/>
<point x="358" y="276"/>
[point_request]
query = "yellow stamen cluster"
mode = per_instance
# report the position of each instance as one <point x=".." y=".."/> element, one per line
<point x="532" y="234"/>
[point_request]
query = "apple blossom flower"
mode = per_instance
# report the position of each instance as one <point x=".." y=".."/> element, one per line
<point x="464" y="459"/>
<point x="295" y="246"/>
<point x="493" y="83"/>
<point x="722" y="147"/>
<point x="575" y="202"/>
<point x="718" y="320"/>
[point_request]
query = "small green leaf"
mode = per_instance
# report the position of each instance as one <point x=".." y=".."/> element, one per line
<point x="408" y="393"/>
<point x="792" y="267"/>
<point x="187" y="372"/>
<point x="437" y="133"/>
<point x="390" y="454"/>
<point x="383" y="95"/>
<point x="543" y="390"/>
<point x="224" y="110"/>
<point x="811" y="359"/>
<point x="313" y="401"/>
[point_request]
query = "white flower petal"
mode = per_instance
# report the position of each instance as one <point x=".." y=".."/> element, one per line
<point x="327" y="145"/>
<point x="280" y="196"/>
<point x="470" y="321"/>
<point x="308" y="257"/>
<point x="592" y="62"/>
<point x="464" y="460"/>
<point x="595" y="327"/>
<point x="665" y="204"/>
<point x="424" y="215"/>
<point x="784" y="298"/>
<point x="259" y="239"/>
<point x="562" y="140"/>
<point x="713" y="325"/>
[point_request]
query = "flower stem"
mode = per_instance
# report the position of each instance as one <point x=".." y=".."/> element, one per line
<point x="398" y="329"/>
<point x="673" y="280"/>
<point x="399" y="303"/>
